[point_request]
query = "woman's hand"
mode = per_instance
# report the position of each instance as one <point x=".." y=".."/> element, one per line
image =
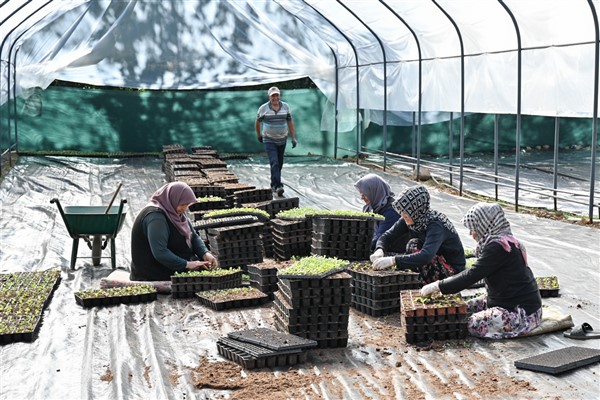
<point x="212" y="260"/>
<point x="196" y="265"/>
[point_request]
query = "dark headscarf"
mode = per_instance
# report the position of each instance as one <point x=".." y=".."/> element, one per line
<point x="414" y="201"/>
<point x="490" y="225"/>
<point x="376" y="190"/>
<point x="168" y="198"/>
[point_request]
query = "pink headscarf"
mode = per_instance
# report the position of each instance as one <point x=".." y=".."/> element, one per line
<point x="168" y="198"/>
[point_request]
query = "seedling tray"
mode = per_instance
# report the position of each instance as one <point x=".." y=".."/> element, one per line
<point x="251" y="297"/>
<point x="115" y="300"/>
<point x="247" y="361"/>
<point x="548" y="286"/>
<point x="225" y="221"/>
<point x="558" y="361"/>
<point x="283" y="275"/>
<point x="271" y="339"/>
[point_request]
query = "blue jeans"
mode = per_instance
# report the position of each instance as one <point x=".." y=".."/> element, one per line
<point x="275" y="153"/>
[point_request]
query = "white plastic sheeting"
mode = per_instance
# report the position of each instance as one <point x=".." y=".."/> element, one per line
<point x="196" y="44"/>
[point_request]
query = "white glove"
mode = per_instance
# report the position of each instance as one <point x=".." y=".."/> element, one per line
<point x="377" y="255"/>
<point x="430" y="289"/>
<point x="384" y="263"/>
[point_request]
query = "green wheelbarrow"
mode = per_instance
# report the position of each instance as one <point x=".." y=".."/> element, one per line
<point x="96" y="225"/>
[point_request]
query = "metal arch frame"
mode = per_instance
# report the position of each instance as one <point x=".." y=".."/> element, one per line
<point x="10" y="50"/>
<point x="420" y="83"/>
<point x="519" y="94"/>
<point x="595" y="111"/>
<point x="8" y="75"/>
<point x="385" y="88"/>
<point x="357" y="80"/>
<point x="462" y="99"/>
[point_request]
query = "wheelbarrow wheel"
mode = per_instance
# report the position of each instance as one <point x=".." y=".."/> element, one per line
<point x="96" y="249"/>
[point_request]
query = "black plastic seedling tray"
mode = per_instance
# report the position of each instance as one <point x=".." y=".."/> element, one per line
<point x="558" y="361"/>
<point x="247" y="361"/>
<point x="271" y="339"/>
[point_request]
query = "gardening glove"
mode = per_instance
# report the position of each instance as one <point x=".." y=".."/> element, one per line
<point x="377" y="255"/>
<point x="430" y="289"/>
<point x="294" y="143"/>
<point x="384" y="263"/>
<point x="259" y="138"/>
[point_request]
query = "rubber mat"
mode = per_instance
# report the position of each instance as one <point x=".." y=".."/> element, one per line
<point x="557" y="361"/>
<point x="272" y="339"/>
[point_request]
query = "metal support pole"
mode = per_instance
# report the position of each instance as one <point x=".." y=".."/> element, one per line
<point x="385" y="91"/>
<point x="518" y="133"/>
<point x="595" y="110"/>
<point x="496" y="142"/>
<point x="555" y="166"/>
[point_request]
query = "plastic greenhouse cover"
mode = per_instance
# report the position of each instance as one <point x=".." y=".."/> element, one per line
<point x="166" y="349"/>
<point x="198" y="44"/>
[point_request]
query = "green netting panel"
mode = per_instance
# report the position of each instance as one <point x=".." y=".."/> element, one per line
<point x="103" y="120"/>
<point x="479" y="134"/>
<point x="98" y="120"/>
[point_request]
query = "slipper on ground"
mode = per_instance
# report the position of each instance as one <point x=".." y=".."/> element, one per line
<point x="582" y="332"/>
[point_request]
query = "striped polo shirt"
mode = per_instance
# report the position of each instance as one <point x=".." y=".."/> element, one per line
<point x="274" y="123"/>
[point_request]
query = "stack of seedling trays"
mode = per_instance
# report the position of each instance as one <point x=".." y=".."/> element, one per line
<point x="377" y="293"/>
<point x="205" y="151"/>
<point x="220" y="177"/>
<point x="181" y="173"/>
<point x="206" y="203"/>
<point x="264" y="348"/>
<point x="205" y="224"/>
<point x="187" y="284"/>
<point x="346" y="237"/>
<point x="313" y="301"/>
<point x="263" y="278"/>
<point x="231" y="188"/>
<point x="169" y="149"/>
<point x="238" y="297"/>
<point x="548" y="286"/>
<point x="251" y="196"/>
<point x="118" y="295"/>
<point x="291" y="237"/>
<point x="275" y="206"/>
<point x="433" y="318"/>
<point x="237" y="245"/>
<point x="23" y="298"/>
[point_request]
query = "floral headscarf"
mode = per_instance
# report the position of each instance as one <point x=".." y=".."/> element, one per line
<point x="168" y="198"/>
<point x="374" y="188"/>
<point x="490" y="225"/>
<point x="414" y="201"/>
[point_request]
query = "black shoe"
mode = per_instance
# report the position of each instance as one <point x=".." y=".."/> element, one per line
<point x="279" y="191"/>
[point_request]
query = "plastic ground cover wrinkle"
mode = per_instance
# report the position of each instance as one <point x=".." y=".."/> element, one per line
<point x="149" y="351"/>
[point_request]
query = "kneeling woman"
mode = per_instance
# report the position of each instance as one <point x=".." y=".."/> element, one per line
<point x="513" y="305"/>
<point x="162" y="238"/>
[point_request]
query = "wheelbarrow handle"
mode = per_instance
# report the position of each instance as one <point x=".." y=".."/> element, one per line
<point x="62" y="213"/>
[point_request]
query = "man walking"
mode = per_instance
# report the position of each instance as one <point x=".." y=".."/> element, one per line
<point x="277" y="122"/>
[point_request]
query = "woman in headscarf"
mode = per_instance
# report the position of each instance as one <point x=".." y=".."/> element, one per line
<point x="513" y="305"/>
<point x="378" y="198"/>
<point x="434" y="251"/>
<point x="163" y="240"/>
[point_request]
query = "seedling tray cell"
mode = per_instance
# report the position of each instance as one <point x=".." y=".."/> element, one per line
<point x="558" y="361"/>
<point x="271" y="339"/>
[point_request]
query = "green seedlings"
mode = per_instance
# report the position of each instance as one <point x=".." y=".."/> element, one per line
<point x="116" y="292"/>
<point x="207" y="199"/>
<point x="209" y="272"/>
<point x="236" y="211"/>
<point x="314" y="265"/>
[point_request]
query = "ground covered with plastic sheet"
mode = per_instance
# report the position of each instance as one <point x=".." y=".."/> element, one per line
<point x="167" y="349"/>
